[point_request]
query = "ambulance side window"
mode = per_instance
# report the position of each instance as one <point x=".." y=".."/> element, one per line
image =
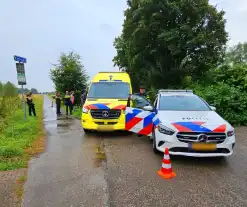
<point x="139" y="101"/>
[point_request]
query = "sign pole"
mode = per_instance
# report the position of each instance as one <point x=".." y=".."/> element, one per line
<point x="23" y="103"/>
<point x="21" y="79"/>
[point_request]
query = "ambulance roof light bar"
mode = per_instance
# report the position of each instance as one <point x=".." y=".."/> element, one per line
<point x="174" y="91"/>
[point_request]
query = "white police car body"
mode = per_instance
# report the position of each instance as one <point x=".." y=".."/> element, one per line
<point x="187" y="125"/>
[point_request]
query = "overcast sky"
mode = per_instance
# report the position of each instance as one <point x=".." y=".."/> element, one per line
<point x="41" y="30"/>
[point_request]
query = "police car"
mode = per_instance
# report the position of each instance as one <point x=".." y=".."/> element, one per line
<point x="183" y="122"/>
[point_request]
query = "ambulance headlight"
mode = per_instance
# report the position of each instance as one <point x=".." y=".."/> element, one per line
<point x="85" y="110"/>
<point x="165" y="130"/>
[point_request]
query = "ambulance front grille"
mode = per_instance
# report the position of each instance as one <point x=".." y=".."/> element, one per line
<point x="101" y="113"/>
<point x="213" y="137"/>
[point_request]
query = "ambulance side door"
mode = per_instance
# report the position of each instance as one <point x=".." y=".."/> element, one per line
<point x="139" y="117"/>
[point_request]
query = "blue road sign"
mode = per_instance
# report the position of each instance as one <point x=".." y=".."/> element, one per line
<point x="20" y="59"/>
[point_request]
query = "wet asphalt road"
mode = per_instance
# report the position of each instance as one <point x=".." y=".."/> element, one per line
<point x="71" y="172"/>
<point x="66" y="174"/>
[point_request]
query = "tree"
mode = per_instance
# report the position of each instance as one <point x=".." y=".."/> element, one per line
<point x="1" y="89"/>
<point x="164" y="41"/>
<point x="237" y="54"/>
<point x="25" y="90"/>
<point x="9" y="89"/>
<point x="234" y="69"/>
<point x="69" y="74"/>
<point x="34" y="91"/>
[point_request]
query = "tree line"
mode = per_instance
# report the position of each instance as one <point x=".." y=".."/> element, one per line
<point x="9" y="89"/>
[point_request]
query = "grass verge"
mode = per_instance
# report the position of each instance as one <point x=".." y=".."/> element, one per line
<point x="76" y="111"/>
<point x="19" y="186"/>
<point x="21" y="139"/>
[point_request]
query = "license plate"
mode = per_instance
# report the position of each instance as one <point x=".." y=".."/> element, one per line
<point x="203" y="147"/>
<point x="105" y="128"/>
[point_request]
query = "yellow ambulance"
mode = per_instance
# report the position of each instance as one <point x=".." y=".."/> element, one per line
<point x="106" y="101"/>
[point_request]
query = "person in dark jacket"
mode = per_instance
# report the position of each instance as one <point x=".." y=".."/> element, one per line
<point x="58" y="103"/>
<point x="142" y="92"/>
<point x="67" y="101"/>
<point x="83" y="97"/>
<point x="30" y="103"/>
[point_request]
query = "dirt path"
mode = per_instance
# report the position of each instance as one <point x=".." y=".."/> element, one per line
<point x="10" y="189"/>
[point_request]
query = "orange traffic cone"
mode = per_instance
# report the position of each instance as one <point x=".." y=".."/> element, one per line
<point x="166" y="169"/>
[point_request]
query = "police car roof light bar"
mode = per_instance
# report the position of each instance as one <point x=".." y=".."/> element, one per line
<point x="174" y="90"/>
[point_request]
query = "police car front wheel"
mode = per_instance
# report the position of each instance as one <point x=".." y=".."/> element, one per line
<point x="154" y="143"/>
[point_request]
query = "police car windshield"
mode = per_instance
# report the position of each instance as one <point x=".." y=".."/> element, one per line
<point x="182" y="103"/>
<point x="107" y="90"/>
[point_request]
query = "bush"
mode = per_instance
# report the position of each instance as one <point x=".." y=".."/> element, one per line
<point x="230" y="102"/>
<point x="9" y="102"/>
<point x="234" y="75"/>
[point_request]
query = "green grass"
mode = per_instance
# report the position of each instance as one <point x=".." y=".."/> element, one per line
<point x="76" y="112"/>
<point x="22" y="139"/>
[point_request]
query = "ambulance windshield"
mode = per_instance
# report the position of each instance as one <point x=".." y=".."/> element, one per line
<point x="108" y="90"/>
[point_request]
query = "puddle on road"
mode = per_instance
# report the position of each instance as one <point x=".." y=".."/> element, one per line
<point x="100" y="155"/>
<point x="49" y="120"/>
<point x="64" y="118"/>
<point x="59" y="122"/>
<point x="63" y="125"/>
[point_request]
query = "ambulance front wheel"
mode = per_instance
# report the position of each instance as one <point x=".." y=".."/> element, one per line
<point x="86" y="131"/>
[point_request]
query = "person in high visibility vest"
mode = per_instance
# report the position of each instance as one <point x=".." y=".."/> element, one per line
<point x="67" y="101"/>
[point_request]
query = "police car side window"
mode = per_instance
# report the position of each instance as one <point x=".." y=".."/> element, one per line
<point x="139" y="101"/>
<point x="155" y="102"/>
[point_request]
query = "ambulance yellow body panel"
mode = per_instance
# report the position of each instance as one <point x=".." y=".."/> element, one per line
<point x="106" y="101"/>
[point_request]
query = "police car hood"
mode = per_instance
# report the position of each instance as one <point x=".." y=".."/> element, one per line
<point x="194" y="121"/>
<point x="105" y="104"/>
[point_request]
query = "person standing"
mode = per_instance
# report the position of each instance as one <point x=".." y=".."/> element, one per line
<point x="67" y="101"/>
<point x="142" y="92"/>
<point x="30" y="103"/>
<point x="58" y="103"/>
<point x="83" y="97"/>
<point x="72" y="101"/>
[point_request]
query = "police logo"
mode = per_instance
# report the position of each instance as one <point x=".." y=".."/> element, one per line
<point x="202" y="138"/>
<point x="105" y="113"/>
